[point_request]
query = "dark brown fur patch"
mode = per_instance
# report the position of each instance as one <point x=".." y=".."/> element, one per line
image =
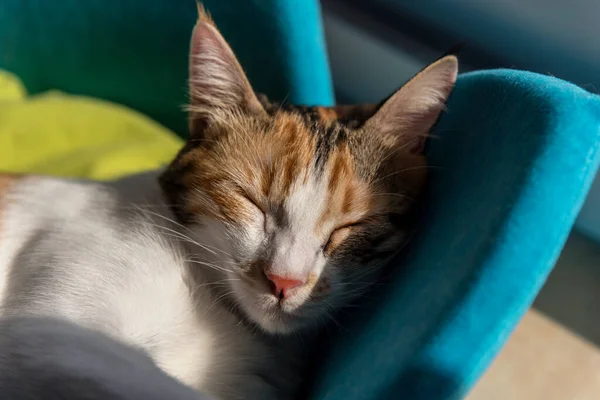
<point x="321" y="288"/>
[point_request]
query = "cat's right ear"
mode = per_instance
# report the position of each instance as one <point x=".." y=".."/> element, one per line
<point x="217" y="81"/>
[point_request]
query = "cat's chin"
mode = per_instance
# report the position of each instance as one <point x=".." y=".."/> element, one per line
<point x="278" y="325"/>
<point x="274" y="320"/>
<point x="264" y="311"/>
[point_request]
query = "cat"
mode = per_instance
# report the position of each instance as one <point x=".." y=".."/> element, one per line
<point x="269" y="219"/>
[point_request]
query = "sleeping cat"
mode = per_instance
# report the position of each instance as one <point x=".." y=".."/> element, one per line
<point x="268" y="220"/>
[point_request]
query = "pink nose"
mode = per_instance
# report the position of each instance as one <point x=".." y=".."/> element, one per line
<point x="281" y="286"/>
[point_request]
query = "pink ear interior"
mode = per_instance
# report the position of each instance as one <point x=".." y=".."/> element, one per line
<point x="408" y="115"/>
<point x="217" y="81"/>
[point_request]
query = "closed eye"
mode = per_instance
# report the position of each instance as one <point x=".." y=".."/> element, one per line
<point x="250" y="199"/>
<point x="337" y="236"/>
<point x="255" y="204"/>
<point x="259" y="208"/>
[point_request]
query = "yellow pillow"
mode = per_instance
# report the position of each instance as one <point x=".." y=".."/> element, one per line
<point x="75" y="136"/>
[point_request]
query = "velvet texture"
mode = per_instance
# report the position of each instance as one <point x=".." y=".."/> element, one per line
<point x="512" y="162"/>
<point x="515" y="156"/>
<point x="134" y="52"/>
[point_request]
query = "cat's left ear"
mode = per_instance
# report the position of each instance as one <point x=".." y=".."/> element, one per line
<point x="217" y="80"/>
<point x="406" y="117"/>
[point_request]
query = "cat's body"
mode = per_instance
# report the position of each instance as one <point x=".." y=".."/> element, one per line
<point x="269" y="219"/>
<point x="106" y="256"/>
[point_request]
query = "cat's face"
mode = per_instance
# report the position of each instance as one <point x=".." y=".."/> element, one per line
<point x="298" y="207"/>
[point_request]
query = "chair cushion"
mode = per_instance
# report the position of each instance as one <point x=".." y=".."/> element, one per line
<point x="512" y="162"/>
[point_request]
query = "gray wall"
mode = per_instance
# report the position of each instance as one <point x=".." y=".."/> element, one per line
<point x="561" y="38"/>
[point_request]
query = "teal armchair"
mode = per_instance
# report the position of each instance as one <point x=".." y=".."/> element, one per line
<point x="515" y="157"/>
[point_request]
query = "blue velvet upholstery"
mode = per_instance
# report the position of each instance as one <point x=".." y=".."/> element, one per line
<point x="515" y="156"/>
<point x="134" y="52"/>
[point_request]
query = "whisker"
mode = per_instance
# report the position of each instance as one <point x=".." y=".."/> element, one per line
<point x="407" y="144"/>
<point x="185" y="238"/>
<point x="163" y="217"/>
<point x="224" y="295"/>
<point x="134" y="206"/>
<point x="222" y="282"/>
<point x="188" y="239"/>
<point x="213" y="266"/>
<point x="405" y="170"/>
<point x="361" y="283"/>
<point x="396" y="195"/>
<point x="331" y="317"/>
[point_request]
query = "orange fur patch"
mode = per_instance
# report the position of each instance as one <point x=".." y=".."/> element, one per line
<point x="248" y="164"/>
<point x="257" y="163"/>
<point x="203" y="15"/>
<point x="337" y="237"/>
<point x="7" y="182"/>
<point x="327" y="114"/>
<point x="349" y="198"/>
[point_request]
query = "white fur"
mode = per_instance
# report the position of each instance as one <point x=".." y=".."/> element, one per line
<point x="297" y="254"/>
<point x="106" y="257"/>
<point x="294" y="252"/>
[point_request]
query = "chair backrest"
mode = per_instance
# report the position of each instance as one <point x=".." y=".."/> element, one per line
<point x="513" y="160"/>
<point x="134" y="52"/>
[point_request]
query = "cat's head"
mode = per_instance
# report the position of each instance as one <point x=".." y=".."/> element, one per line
<point x="298" y="207"/>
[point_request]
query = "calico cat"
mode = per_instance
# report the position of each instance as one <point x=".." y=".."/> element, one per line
<point x="269" y="219"/>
